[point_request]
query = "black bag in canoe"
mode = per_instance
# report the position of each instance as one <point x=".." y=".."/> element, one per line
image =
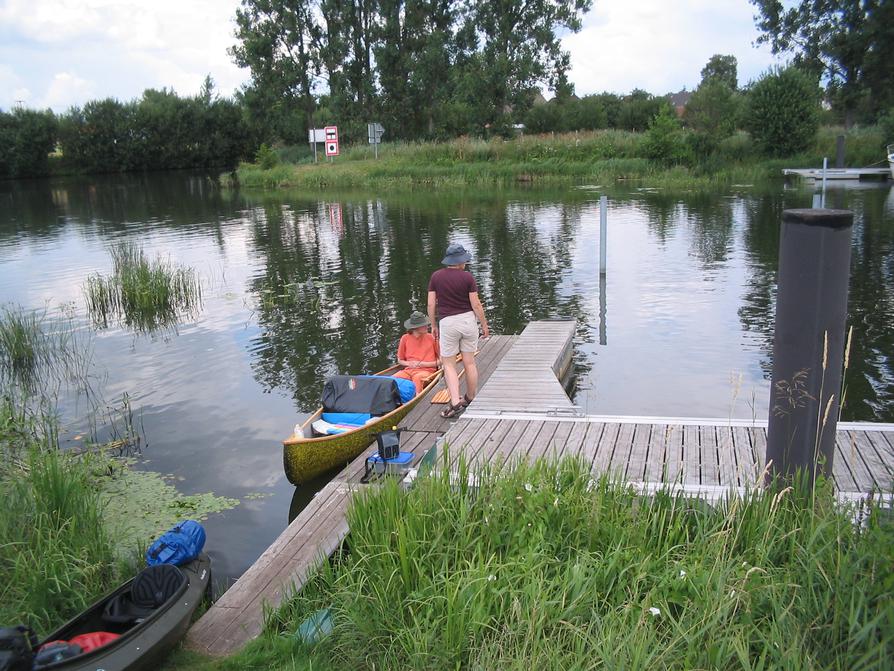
<point x="373" y="394"/>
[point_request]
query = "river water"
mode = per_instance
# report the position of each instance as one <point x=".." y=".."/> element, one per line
<point x="300" y="286"/>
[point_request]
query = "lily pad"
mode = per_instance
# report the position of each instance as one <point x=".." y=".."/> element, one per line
<point x="139" y="505"/>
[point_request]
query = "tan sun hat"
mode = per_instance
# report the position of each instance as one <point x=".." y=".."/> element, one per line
<point x="416" y="320"/>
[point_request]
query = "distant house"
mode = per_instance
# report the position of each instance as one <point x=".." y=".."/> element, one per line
<point x="679" y="100"/>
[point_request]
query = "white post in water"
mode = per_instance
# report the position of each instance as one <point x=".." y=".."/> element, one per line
<point x="825" y="167"/>
<point x="603" y="224"/>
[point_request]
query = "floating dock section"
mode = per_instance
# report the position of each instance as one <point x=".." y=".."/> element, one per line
<point x="838" y="174"/>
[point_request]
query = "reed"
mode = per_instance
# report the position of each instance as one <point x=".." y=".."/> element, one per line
<point x="142" y="293"/>
<point x="541" y="566"/>
<point x="38" y="350"/>
<point x="55" y="555"/>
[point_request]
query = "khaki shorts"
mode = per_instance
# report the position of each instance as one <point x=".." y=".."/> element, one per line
<point x="459" y="333"/>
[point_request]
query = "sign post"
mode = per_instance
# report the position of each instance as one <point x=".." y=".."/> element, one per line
<point x="374" y="132"/>
<point x="314" y="136"/>
<point x="331" y="133"/>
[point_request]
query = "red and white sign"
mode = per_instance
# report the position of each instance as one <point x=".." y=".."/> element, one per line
<point x="331" y="140"/>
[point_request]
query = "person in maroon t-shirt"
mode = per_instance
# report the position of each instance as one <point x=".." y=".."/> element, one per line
<point x="453" y="300"/>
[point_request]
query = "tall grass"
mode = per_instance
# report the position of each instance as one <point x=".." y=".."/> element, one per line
<point x="142" y="293"/>
<point x="541" y="567"/>
<point x="55" y="555"/>
<point x="574" y="158"/>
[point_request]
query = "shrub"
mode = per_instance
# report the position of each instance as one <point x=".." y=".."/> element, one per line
<point x="782" y="112"/>
<point x="266" y="157"/>
<point x="666" y="141"/>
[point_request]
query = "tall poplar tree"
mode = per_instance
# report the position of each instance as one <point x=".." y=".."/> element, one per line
<point x="280" y="42"/>
<point x="519" y="51"/>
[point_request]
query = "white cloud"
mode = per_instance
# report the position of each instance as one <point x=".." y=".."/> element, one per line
<point x="65" y="87"/>
<point x="118" y="48"/>
<point x="661" y="46"/>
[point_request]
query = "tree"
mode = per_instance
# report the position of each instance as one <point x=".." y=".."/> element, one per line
<point x="519" y="50"/>
<point x="347" y="35"/>
<point x="713" y="110"/>
<point x="849" y="43"/>
<point x="722" y="69"/>
<point x="26" y="139"/>
<point x="782" y="111"/>
<point x="416" y="53"/>
<point x="279" y="41"/>
<point x="638" y="109"/>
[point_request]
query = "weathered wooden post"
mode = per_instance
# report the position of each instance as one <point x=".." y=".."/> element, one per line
<point x="808" y="348"/>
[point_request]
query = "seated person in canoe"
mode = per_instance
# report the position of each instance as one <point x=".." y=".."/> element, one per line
<point x="418" y="351"/>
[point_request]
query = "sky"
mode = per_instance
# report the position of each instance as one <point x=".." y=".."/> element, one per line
<point x="59" y="53"/>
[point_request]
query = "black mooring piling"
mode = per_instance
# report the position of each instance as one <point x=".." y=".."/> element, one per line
<point x="808" y="348"/>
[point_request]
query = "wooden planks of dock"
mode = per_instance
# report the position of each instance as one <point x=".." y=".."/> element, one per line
<point x="522" y="412"/>
<point x="527" y="378"/>
<point x="694" y="453"/>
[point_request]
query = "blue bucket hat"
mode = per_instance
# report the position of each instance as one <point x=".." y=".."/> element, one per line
<point x="456" y="254"/>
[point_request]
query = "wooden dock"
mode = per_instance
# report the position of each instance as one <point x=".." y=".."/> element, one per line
<point x="838" y="174"/>
<point x="522" y="412"/>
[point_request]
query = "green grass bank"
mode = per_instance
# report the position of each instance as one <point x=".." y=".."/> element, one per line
<point x="542" y="567"/>
<point x="599" y="157"/>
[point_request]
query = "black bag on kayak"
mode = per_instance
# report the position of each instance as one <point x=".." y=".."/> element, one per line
<point x="17" y="646"/>
<point x="150" y="590"/>
<point x="371" y="394"/>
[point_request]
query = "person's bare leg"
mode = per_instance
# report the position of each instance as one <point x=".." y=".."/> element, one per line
<point x="471" y="375"/>
<point x="452" y="378"/>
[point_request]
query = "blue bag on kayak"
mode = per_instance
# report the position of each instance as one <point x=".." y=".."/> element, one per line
<point x="178" y="545"/>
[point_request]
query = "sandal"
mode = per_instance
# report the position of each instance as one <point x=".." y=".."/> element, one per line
<point x="452" y="411"/>
<point x="466" y="401"/>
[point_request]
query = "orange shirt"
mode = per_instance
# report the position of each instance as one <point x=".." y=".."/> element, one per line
<point x="424" y="348"/>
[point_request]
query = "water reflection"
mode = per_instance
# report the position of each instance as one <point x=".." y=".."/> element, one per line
<point x="340" y="277"/>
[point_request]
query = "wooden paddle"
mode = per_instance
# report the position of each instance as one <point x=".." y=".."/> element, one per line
<point x="443" y="396"/>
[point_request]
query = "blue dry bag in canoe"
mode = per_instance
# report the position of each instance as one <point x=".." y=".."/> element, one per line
<point x="178" y="545"/>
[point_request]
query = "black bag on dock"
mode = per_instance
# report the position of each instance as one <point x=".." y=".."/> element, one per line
<point x="355" y="393"/>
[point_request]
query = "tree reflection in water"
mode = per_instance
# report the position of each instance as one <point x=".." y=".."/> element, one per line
<point x="339" y="277"/>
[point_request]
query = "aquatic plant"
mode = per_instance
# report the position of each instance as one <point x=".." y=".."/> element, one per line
<point x="37" y="349"/>
<point x="539" y="566"/>
<point x="144" y="294"/>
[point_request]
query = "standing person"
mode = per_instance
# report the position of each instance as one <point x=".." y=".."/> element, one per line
<point x="418" y="351"/>
<point x="453" y="299"/>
